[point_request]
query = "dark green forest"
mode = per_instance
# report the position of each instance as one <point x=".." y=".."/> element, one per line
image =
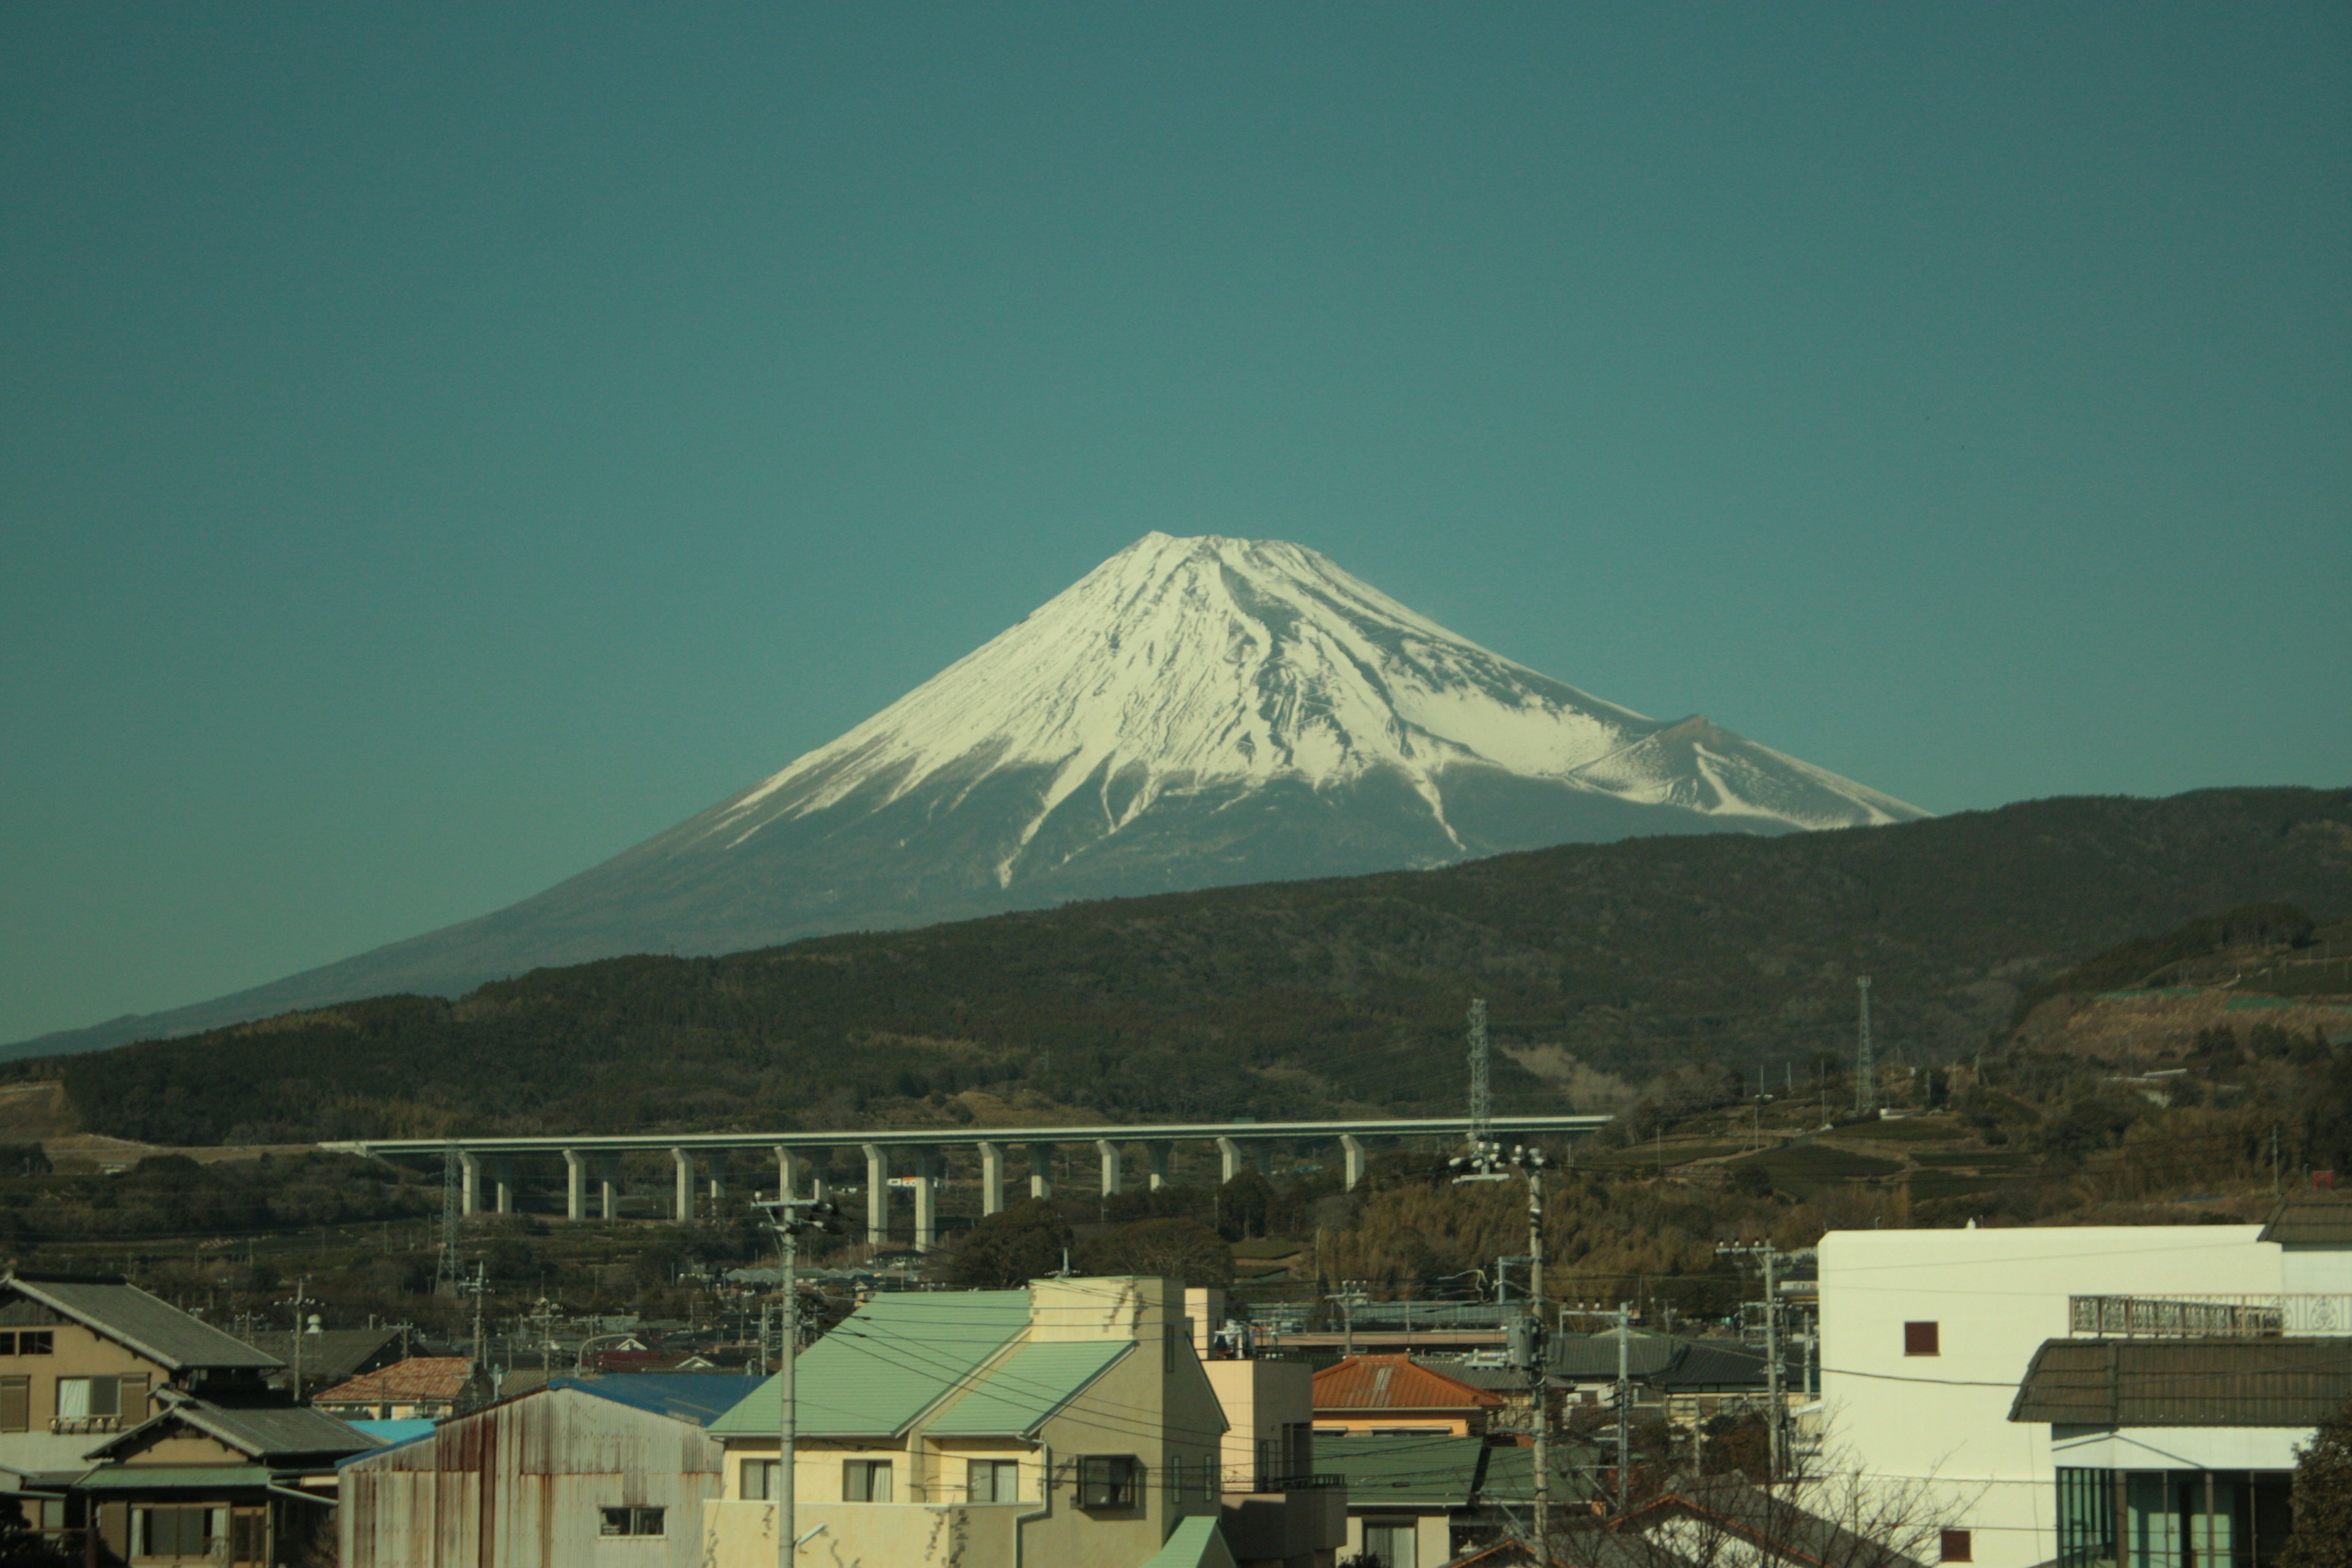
<point x="1603" y="967"/>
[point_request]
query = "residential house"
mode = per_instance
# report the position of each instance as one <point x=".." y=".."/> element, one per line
<point x="1725" y="1522"/>
<point x="1412" y="1502"/>
<point x="2181" y="1448"/>
<point x="1681" y="1380"/>
<point x="1278" y="1509"/>
<point x="587" y="1471"/>
<point x="237" y="1475"/>
<point x="85" y="1359"/>
<point x="1394" y="1396"/>
<point x="421" y="1388"/>
<point x="324" y="1356"/>
<point x="1069" y="1422"/>
<point x="1927" y="1335"/>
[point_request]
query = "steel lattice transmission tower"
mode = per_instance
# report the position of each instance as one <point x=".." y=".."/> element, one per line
<point x="1482" y="1093"/>
<point x="452" y="1218"/>
<point x="1865" y="1067"/>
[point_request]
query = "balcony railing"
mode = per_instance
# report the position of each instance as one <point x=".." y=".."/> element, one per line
<point x="2210" y="1317"/>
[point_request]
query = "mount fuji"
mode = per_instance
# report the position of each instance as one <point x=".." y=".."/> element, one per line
<point x="1193" y="713"/>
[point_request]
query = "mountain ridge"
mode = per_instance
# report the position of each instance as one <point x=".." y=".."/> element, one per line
<point x="1191" y="713"/>
<point x="1340" y="996"/>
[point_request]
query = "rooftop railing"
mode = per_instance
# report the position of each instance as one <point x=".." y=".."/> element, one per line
<point x="2210" y="1317"/>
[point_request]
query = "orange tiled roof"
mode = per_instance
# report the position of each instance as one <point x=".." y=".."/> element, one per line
<point x="420" y="1377"/>
<point x="1395" y="1383"/>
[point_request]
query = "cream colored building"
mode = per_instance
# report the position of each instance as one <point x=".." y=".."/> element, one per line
<point x="1069" y="1422"/>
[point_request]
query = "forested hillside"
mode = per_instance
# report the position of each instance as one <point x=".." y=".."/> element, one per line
<point x="1603" y="965"/>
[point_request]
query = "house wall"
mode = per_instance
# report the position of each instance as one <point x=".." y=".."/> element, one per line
<point x="1259" y="1398"/>
<point x="80" y="1353"/>
<point x="1433" y="1534"/>
<point x="869" y="1535"/>
<point x="522" y="1485"/>
<point x="1941" y="1423"/>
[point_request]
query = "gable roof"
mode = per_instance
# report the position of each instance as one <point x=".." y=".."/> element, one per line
<point x="1195" y="1542"/>
<point x="887" y="1363"/>
<point x="1767" y="1520"/>
<point x="331" y="1356"/>
<point x="1021" y="1392"/>
<point x="2311" y="1219"/>
<point x="1395" y="1383"/>
<point x="2185" y="1383"/>
<point x="1589" y="1356"/>
<point x="154" y="1327"/>
<point x="267" y="1432"/>
<point x="699" y="1398"/>
<point x="1406" y="1472"/>
<point x="420" y="1377"/>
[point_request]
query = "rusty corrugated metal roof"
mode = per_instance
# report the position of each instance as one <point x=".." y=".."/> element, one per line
<point x="439" y="1377"/>
<point x="2185" y="1383"/>
<point x="1395" y="1383"/>
<point x="2311" y="1219"/>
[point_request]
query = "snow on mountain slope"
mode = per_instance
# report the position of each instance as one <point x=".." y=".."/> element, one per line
<point x="1193" y="713"/>
<point x="1183" y="664"/>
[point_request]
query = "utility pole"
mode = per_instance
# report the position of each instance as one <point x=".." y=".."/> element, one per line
<point x="1624" y="1407"/>
<point x="302" y="1299"/>
<point x="791" y="1218"/>
<point x="446" y="1270"/>
<point x="1531" y="1161"/>
<point x="1771" y="1368"/>
<point x="1865" y="1088"/>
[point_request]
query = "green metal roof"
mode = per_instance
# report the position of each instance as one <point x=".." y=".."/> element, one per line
<point x="1405" y="1471"/>
<point x="173" y="1478"/>
<point x="1195" y="1542"/>
<point x="1018" y="1394"/>
<point x="887" y="1363"/>
<point x="1511" y="1472"/>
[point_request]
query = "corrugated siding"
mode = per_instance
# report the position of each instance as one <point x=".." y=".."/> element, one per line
<point x="522" y="1484"/>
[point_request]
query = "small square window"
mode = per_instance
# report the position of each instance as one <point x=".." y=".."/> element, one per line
<point x="991" y="1481"/>
<point x="36" y="1342"/>
<point x="758" y="1481"/>
<point x="1109" y="1480"/>
<point x="1922" y="1338"/>
<point x="631" y="1522"/>
<point x="1959" y="1546"/>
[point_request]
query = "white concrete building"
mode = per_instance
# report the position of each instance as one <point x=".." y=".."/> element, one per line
<point x="1927" y="1334"/>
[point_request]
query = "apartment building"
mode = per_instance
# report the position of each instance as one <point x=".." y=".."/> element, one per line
<point x="1067" y="1422"/>
<point x="1927" y="1335"/>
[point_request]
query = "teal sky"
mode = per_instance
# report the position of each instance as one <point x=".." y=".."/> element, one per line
<point x="440" y="446"/>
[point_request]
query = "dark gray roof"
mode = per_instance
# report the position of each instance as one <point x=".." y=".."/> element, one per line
<point x="331" y="1356"/>
<point x="154" y="1327"/>
<point x="1739" y="1509"/>
<point x="2311" y="1219"/>
<point x="1659" y="1361"/>
<point x="269" y="1432"/>
<point x="2185" y="1383"/>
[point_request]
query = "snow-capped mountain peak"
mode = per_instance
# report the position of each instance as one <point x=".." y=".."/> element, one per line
<point x="1184" y="666"/>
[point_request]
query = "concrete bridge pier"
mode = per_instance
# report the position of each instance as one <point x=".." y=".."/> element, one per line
<point x="1157" y="1154"/>
<point x="1108" y="1152"/>
<point x="575" y="1186"/>
<point x="877" y="1193"/>
<point x="717" y="1180"/>
<point x="927" y="1212"/>
<point x="502" y="1175"/>
<point x="608" y="1185"/>
<point x="1041" y="1170"/>
<point x="469" y="1183"/>
<point x="682" y="1198"/>
<point x="1351" y="1151"/>
<point x="992" y="1178"/>
<point x="1229" y="1159"/>
<point x="789" y="1165"/>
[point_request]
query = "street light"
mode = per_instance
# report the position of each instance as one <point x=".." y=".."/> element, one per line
<point x="791" y="1219"/>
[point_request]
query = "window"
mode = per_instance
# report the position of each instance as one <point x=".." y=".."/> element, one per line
<point x="1109" y="1480"/>
<point x="865" y="1480"/>
<point x="1921" y="1339"/>
<point x="81" y="1398"/>
<point x="991" y="1481"/>
<point x="1392" y="1545"/>
<point x="631" y="1522"/>
<point x="16" y="1404"/>
<point x="29" y="1341"/>
<point x="758" y="1481"/>
<point x="172" y="1531"/>
<point x="1959" y="1546"/>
